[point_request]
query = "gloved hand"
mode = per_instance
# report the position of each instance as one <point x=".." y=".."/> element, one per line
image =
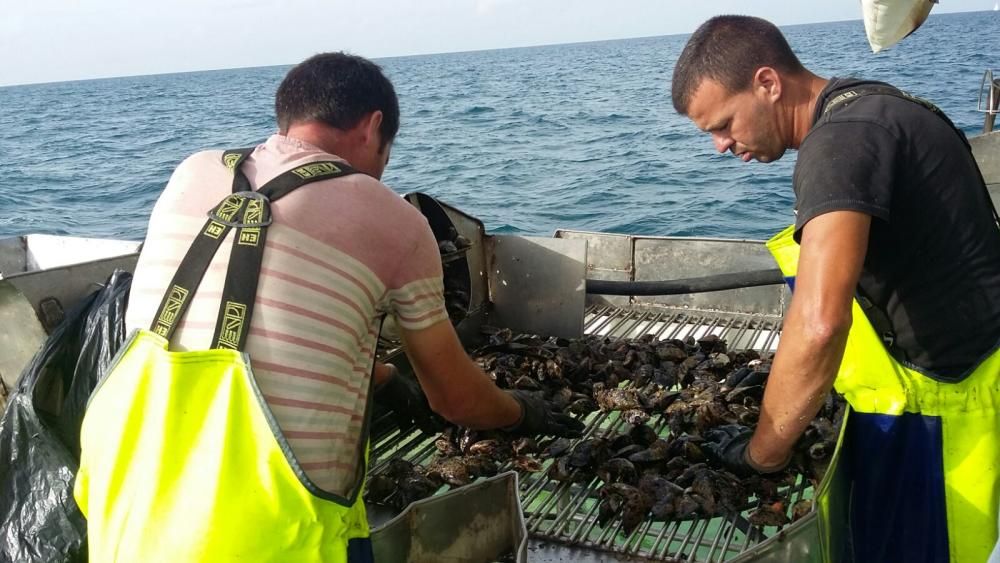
<point x="404" y="396"/>
<point x="539" y="416"/>
<point x="728" y="446"/>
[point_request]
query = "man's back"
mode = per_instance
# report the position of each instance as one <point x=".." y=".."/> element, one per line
<point x="338" y="255"/>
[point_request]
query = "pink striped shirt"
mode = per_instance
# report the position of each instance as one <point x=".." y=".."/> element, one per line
<point x="339" y="254"/>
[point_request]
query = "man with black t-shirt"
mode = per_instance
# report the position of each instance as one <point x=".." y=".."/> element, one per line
<point x="894" y="260"/>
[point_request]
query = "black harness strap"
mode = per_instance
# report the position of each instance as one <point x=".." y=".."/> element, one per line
<point x="233" y="159"/>
<point x="240" y="290"/>
<point x="193" y="266"/>
<point x="254" y="213"/>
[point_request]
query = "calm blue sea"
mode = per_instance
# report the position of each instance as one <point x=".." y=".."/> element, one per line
<point x="578" y="136"/>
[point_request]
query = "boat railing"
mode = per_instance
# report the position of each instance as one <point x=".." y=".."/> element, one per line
<point x="990" y="102"/>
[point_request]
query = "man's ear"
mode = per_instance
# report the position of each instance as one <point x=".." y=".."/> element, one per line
<point x="372" y="127"/>
<point x="767" y="83"/>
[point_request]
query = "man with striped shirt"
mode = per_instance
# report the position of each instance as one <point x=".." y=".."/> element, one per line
<point x="340" y="255"/>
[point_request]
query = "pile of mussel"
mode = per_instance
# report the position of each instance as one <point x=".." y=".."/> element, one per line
<point x="668" y="393"/>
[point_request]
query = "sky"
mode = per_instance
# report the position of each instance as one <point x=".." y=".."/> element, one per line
<point x="57" y="40"/>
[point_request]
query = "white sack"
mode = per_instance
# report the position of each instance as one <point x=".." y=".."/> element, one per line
<point x="888" y="21"/>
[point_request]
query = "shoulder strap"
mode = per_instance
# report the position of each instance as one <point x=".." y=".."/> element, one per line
<point x="254" y="213"/>
<point x="233" y="159"/>
<point x="886" y="90"/>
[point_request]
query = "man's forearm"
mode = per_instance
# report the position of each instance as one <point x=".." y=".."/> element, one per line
<point x="815" y="331"/>
<point x="480" y="404"/>
<point x="802" y="374"/>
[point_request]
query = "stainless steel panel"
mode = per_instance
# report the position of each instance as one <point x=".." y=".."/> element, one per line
<point x="21" y="334"/>
<point x="798" y="543"/>
<point x="994" y="190"/>
<point x="477" y="523"/>
<point x="638" y="258"/>
<point x="13" y="256"/>
<point x="669" y="259"/>
<point x="69" y="284"/>
<point x="609" y="257"/>
<point x="537" y="285"/>
<point x="605" y="251"/>
<point x="986" y="149"/>
<point x="45" y="252"/>
<point x="613" y="300"/>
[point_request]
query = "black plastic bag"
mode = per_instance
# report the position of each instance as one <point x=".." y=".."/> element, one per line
<point x="40" y="430"/>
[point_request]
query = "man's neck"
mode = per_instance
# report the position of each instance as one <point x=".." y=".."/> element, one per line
<point x="318" y="135"/>
<point x="803" y="95"/>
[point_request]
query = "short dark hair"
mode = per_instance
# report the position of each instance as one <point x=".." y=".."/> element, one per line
<point x="729" y="50"/>
<point x="337" y="89"/>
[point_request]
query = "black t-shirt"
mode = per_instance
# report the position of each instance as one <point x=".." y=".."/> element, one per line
<point x="933" y="261"/>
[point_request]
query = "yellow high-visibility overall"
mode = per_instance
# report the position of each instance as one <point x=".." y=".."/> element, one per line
<point x="181" y="458"/>
<point x="922" y="456"/>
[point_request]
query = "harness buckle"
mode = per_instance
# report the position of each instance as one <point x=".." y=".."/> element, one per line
<point x="265" y="221"/>
<point x="889" y="339"/>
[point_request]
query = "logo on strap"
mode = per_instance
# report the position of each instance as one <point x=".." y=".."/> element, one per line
<point x="231" y="159"/>
<point x="229" y="207"/>
<point x="316" y="169"/>
<point x="232" y="325"/>
<point x="214" y="229"/>
<point x="175" y="300"/>
<point x="254" y="214"/>
<point x="225" y="211"/>
<point x="840" y="98"/>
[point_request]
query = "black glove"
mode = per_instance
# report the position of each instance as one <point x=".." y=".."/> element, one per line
<point x="728" y="445"/>
<point x="409" y="405"/>
<point x="539" y="416"/>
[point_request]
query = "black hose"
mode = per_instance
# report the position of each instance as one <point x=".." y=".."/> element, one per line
<point x="718" y="282"/>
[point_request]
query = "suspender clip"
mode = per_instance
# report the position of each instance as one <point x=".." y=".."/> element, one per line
<point x="262" y="211"/>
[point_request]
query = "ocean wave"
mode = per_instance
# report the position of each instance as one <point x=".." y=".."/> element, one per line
<point x="476" y="110"/>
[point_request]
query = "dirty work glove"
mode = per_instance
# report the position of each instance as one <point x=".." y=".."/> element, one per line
<point x="539" y="416"/>
<point x="728" y="446"/>
<point x="404" y="396"/>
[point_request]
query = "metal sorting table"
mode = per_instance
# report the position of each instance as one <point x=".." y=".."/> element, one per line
<point x="561" y="517"/>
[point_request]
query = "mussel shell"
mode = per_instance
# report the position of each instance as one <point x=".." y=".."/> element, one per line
<point x="453" y="471"/>
<point x="772" y="514"/>
<point x="657" y="451"/>
<point x="635" y="417"/>
<point x="589" y="453"/>
<point x="380" y="487"/>
<point x="399" y="468"/>
<point x="527" y="382"/>
<point x="618" y="470"/>
<point x="582" y="407"/>
<point x="670" y="352"/>
<point x="643" y="435"/>
<point x="556" y="448"/>
<point x="527" y="463"/>
<point x="525" y="445"/>
<point x="619" y="441"/>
